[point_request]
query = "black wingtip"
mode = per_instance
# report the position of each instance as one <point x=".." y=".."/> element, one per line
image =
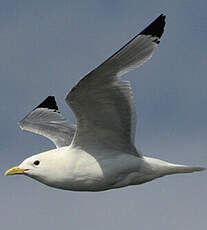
<point x="156" y="28"/>
<point x="49" y="103"/>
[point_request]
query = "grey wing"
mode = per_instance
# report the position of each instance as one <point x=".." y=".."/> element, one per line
<point x="45" y="120"/>
<point x="103" y="105"/>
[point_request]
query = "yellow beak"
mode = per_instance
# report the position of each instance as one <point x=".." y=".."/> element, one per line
<point x="15" y="170"/>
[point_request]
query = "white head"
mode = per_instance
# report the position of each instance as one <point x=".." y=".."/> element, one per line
<point x="42" y="167"/>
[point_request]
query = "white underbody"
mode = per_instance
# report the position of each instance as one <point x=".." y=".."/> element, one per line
<point x="78" y="170"/>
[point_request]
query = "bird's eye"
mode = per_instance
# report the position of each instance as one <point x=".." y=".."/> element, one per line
<point x="36" y="162"/>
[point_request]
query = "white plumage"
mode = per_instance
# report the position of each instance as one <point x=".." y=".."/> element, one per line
<point x="99" y="152"/>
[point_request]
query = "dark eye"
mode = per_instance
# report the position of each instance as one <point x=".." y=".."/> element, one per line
<point x="36" y="162"/>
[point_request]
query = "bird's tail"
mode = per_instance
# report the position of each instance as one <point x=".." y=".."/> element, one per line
<point x="185" y="169"/>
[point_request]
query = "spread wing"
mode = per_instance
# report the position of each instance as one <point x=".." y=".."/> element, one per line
<point x="46" y="120"/>
<point x="103" y="105"/>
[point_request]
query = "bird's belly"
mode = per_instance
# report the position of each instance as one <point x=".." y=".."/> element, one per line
<point x="104" y="174"/>
<point x="85" y="180"/>
<point x="83" y="174"/>
<point x="87" y="173"/>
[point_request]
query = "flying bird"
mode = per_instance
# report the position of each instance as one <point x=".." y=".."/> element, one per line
<point x="99" y="152"/>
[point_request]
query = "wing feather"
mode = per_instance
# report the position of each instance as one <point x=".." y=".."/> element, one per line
<point x="103" y="105"/>
<point x="46" y="120"/>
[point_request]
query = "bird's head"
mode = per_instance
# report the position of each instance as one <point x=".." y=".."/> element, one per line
<point x="42" y="167"/>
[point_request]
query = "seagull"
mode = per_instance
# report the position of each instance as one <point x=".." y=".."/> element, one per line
<point x="98" y="153"/>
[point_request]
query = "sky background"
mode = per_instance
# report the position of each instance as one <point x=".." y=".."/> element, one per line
<point x="46" y="47"/>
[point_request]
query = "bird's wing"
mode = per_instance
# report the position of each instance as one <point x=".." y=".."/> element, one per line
<point x="46" y="120"/>
<point x="103" y="105"/>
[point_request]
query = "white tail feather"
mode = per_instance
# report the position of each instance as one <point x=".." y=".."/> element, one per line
<point x="174" y="168"/>
<point x="162" y="168"/>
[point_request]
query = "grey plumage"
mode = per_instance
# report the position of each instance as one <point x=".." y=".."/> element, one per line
<point x="49" y="123"/>
<point x="103" y="105"/>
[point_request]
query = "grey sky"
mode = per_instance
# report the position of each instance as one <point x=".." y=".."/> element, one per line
<point x="46" y="47"/>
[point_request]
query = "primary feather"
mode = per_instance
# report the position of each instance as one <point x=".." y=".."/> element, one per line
<point x="46" y="120"/>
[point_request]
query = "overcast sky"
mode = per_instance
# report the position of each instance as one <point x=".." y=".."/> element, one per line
<point x="46" y="47"/>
